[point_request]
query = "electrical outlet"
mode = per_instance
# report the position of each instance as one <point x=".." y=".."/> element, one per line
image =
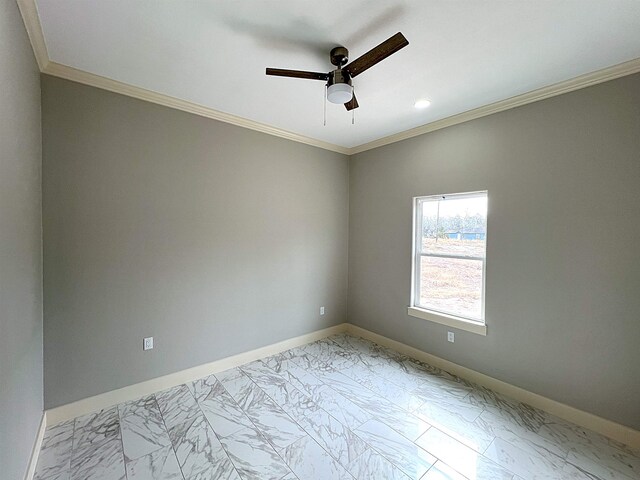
<point x="147" y="343"/>
<point x="450" y="337"/>
<point x="321" y="310"/>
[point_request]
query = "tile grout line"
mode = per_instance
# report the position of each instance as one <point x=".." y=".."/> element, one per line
<point x="73" y="437"/>
<point x="466" y="446"/>
<point x="320" y="408"/>
<point x="536" y="432"/>
<point x="375" y="393"/>
<point x="248" y="418"/>
<point x="73" y="443"/>
<point x="473" y="386"/>
<point x="564" y="458"/>
<point x="257" y="428"/>
<point x="293" y="419"/>
<point x="363" y="386"/>
<point x="124" y="458"/>
<point x="428" y="429"/>
<point x="370" y="447"/>
<point x="173" y="448"/>
<point x="483" y="409"/>
<point x="482" y="454"/>
<point x="353" y="431"/>
<point x="366" y="387"/>
<point x="382" y="454"/>
<point x="211" y="426"/>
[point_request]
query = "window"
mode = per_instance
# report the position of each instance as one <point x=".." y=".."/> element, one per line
<point x="450" y="233"/>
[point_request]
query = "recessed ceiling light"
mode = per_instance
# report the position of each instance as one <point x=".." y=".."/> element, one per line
<point x="422" y="103"/>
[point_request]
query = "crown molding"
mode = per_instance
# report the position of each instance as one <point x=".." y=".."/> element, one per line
<point x="29" y="12"/>
<point x="583" y="81"/>
<point x="86" y="78"/>
<point x="31" y="19"/>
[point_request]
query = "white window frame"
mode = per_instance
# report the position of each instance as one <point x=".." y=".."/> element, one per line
<point x="474" y="325"/>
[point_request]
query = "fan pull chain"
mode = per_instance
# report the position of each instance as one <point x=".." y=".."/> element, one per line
<point x="325" y="106"/>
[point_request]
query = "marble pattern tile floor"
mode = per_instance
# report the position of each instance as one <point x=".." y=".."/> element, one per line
<point x="340" y="408"/>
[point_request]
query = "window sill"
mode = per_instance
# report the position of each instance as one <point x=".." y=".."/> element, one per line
<point x="448" y="320"/>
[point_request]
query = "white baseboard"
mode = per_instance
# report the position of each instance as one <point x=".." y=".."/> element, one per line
<point x="35" y="452"/>
<point x="608" y="428"/>
<point x="613" y="430"/>
<point x="132" y="392"/>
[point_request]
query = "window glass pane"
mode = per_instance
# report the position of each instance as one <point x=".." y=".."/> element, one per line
<point x="451" y="285"/>
<point x="455" y="226"/>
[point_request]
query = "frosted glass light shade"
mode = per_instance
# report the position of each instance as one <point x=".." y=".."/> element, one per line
<point x="339" y="93"/>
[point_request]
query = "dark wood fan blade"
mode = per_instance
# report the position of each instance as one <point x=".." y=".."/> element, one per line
<point x="351" y="104"/>
<point x="278" y="72"/>
<point x="377" y="54"/>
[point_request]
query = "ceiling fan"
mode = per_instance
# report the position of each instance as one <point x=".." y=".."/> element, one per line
<point x="339" y="88"/>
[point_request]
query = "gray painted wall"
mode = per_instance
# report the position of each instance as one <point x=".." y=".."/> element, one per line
<point x="212" y="238"/>
<point x="563" y="265"/>
<point x="217" y="240"/>
<point x="20" y="246"/>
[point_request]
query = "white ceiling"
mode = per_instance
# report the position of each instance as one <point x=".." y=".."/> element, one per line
<point x="462" y="54"/>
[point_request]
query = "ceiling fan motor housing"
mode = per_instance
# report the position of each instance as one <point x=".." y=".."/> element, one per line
<point x="338" y="76"/>
<point x="339" y="56"/>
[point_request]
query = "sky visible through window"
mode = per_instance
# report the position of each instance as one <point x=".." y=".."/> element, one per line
<point x="451" y="206"/>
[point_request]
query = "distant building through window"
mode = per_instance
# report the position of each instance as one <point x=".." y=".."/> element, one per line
<point x="449" y="254"/>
